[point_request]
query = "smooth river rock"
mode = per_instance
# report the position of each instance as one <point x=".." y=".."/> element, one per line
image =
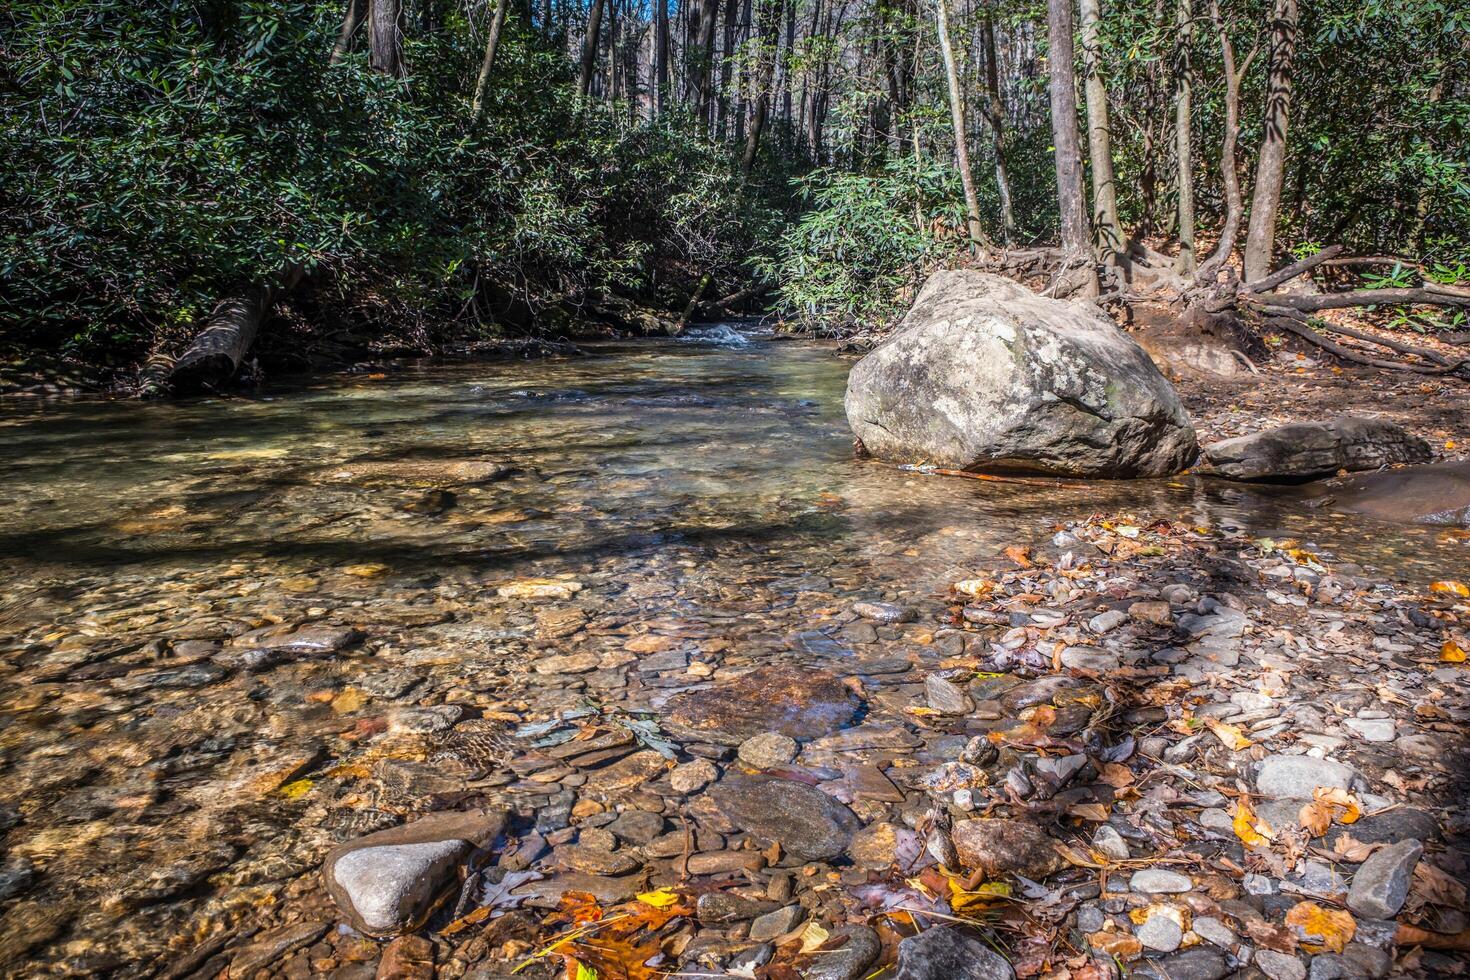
<point x="387" y="882"/>
<point x="1303" y="450"/>
<point x="984" y="374"/>
<point x="945" y="953"/>
<point x="796" y="702"/>
<point x="806" y="822"/>
<point x="1000" y="847"/>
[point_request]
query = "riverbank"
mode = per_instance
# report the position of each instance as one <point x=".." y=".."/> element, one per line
<point x="642" y="612"/>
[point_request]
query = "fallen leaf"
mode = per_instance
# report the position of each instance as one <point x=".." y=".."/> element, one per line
<point x="584" y="972"/>
<point x="1452" y="652"/>
<point x="660" y="899"/>
<point x="1231" y="736"/>
<point x="1453" y="588"/>
<point x="975" y="588"/>
<point x="1322" y="929"/>
<point x="1019" y="554"/>
<point x="1328" y="804"/>
<point x="1252" y="831"/>
<point x="813" y="936"/>
<point x="1119" y="944"/>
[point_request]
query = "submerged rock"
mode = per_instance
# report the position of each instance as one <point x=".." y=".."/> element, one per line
<point x="806" y="822"/>
<point x="942" y="953"/>
<point x="798" y="703"/>
<point x="985" y="374"/>
<point x="387" y="882"/>
<point x="1000" y="847"/>
<point x="1302" y="450"/>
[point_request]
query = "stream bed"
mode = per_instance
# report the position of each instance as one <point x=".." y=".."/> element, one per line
<point x="405" y="549"/>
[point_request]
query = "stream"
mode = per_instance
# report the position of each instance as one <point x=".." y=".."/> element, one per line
<point x="156" y="788"/>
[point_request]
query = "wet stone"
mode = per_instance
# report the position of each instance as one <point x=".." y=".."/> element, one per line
<point x="945" y="697"/>
<point x="1279" y="966"/>
<point x="591" y="860"/>
<point x="273" y="946"/>
<point x="941" y="953"/>
<point x="1000" y="847"/>
<point x="806" y="822"/>
<point x="802" y="704"/>
<point x="691" y="777"/>
<point x="1160" y="932"/>
<point x="845" y="955"/>
<point x="1195" y="963"/>
<point x="767" y="750"/>
<point x="1157" y="881"/>
<point x="884" y="612"/>
<point x="777" y="923"/>
<point x="718" y="907"/>
<point x="637" y="826"/>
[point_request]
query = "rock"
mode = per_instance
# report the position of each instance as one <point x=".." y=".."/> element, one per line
<point x="1195" y="963"/>
<point x="627" y="773"/>
<point x="691" y="777"/>
<point x="845" y="955"/>
<point x="985" y="374"/>
<point x="574" y="663"/>
<point x="1438" y="493"/>
<point x="945" y="953"/>
<point x="883" y="612"/>
<point x="1371" y="729"/>
<point x="999" y="847"/>
<point x="16" y="875"/>
<point x="946" y="697"/>
<point x="1151" y="611"/>
<point x="1213" y="930"/>
<point x="716" y="907"/>
<point x="1157" y="881"/>
<point x="1110" y="842"/>
<point x="271" y="947"/>
<point x="546" y="893"/>
<point x="637" y="826"/>
<point x="539" y="588"/>
<point x="593" y="861"/>
<point x="1293" y="777"/>
<point x="1090" y="658"/>
<point x="1400" y="823"/>
<point x="1160" y="932"/>
<point x="796" y="702"/>
<point x="767" y="750"/>
<point x="386" y="883"/>
<point x="1382" y="882"/>
<point x="1106" y="622"/>
<point x="1303" y="450"/>
<point x="875" y="847"/>
<point x="806" y="822"/>
<point x="407" y="958"/>
<point x="777" y="923"/>
<point x="1279" y="966"/>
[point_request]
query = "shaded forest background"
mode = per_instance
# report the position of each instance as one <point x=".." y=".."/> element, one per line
<point x="405" y="172"/>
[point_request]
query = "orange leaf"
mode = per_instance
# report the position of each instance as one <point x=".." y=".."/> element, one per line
<point x="1252" y="831"/>
<point x="1452" y="652"/>
<point x="1230" y="735"/>
<point x="1019" y="554"/>
<point x="1454" y="588"/>
<point x="1328" y="930"/>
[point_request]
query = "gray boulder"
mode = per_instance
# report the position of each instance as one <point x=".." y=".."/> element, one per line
<point x="388" y="882"/>
<point x="984" y="374"/>
<point x="1303" y="450"/>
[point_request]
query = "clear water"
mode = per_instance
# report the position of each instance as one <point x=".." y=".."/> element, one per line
<point x="707" y="481"/>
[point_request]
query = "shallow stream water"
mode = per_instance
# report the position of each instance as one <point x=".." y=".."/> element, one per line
<point x="705" y="482"/>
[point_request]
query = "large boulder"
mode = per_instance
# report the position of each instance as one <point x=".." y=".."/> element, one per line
<point x="984" y="374"/>
<point x="1303" y="450"/>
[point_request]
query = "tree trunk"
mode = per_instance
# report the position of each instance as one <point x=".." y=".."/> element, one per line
<point x="769" y="14"/>
<point x="1229" y="171"/>
<point x="217" y="352"/>
<point x="995" y="112"/>
<point x="710" y="11"/>
<point x="660" y="55"/>
<point x="1260" y="241"/>
<point x="1062" y="85"/>
<point x="1184" y="83"/>
<point x="351" y="21"/>
<point x="589" y="48"/>
<point x="386" y="51"/>
<point x="482" y="85"/>
<point x="1108" y="234"/>
<point x="957" y="120"/>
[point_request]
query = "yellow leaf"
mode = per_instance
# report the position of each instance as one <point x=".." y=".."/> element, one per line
<point x="1251" y="830"/>
<point x="660" y="899"/>
<point x="296" y="790"/>
<point x="585" y="972"/>
<point x="960" y="898"/>
<point x="813" y="936"/>
<point x="370" y="569"/>
<point x="975" y="588"/>
<point x="1452" y="652"/>
<point x="1322" y="929"/>
<point x="1230" y="735"/>
<point x="1454" y="588"/>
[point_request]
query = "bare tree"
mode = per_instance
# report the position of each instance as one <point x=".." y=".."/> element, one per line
<point x="1260" y="240"/>
<point x="1106" y="229"/>
<point x="385" y="53"/>
<point x="995" y="113"/>
<point x="1062" y="85"/>
<point x="1183" y="121"/>
<point x="351" y="21"/>
<point x="492" y="41"/>
<point x="589" y="48"/>
<point x="957" y="119"/>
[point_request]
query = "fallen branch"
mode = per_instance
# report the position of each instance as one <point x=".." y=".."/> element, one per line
<point x="987" y="477"/>
<point x="1311" y="336"/>
<point x="1290" y="272"/>
<point x="1426" y="296"/>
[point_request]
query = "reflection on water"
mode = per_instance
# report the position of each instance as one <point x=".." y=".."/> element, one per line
<point x="707" y="483"/>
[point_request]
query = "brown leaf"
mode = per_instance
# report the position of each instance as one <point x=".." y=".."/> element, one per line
<point x="1021" y="555"/>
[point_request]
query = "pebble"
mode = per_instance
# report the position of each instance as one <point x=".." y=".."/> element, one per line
<point x="777" y="923"/>
<point x="691" y="777"/>
<point x="1214" y="931"/>
<point x="1107" y="840"/>
<point x="1381" y="883"/>
<point x="1160" y="932"/>
<point x="767" y="750"/>
<point x="806" y="822"/>
<point x="946" y="697"/>
<point x="1157" y="881"/>
<point x="941" y="953"/>
<point x="1279" y="966"/>
<point x="846" y="955"/>
<point x="1106" y="622"/>
<point x="1294" y="777"/>
<point x="883" y="612"/>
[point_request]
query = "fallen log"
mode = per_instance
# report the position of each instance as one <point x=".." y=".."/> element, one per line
<point x="217" y="351"/>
